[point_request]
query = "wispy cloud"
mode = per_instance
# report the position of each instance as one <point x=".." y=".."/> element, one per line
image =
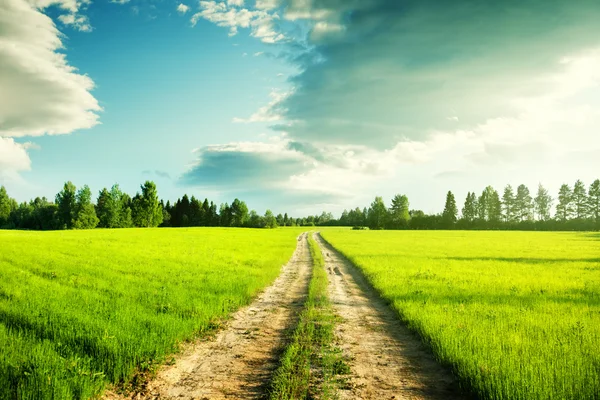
<point x="272" y="112"/>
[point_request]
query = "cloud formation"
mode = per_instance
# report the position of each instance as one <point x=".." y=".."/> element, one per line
<point x="391" y="71"/>
<point x="260" y="22"/>
<point x="13" y="159"/>
<point x="384" y="83"/>
<point x="40" y="93"/>
<point x="182" y="8"/>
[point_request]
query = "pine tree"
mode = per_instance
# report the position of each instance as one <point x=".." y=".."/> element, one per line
<point x="542" y="203"/>
<point x="523" y="203"/>
<point x="508" y="203"/>
<point x="65" y="200"/>
<point x="450" y="214"/>
<point x="469" y="211"/>
<point x="580" y="200"/>
<point x="564" y="208"/>
<point x="494" y="205"/>
<point x="482" y="206"/>
<point x="399" y="209"/>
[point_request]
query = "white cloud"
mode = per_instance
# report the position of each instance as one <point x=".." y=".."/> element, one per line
<point x="40" y="93"/>
<point x="267" y="4"/>
<point x="79" y="22"/>
<point x="120" y="1"/>
<point x="260" y="22"/>
<point x="13" y="159"/>
<point x="269" y="113"/>
<point x="182" y="8"/>
<point x="74" y="18"/>
<point x="236" y="3"/>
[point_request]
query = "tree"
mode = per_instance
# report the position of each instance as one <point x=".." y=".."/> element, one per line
<point x="196" y="216"/>
<point x="523" y="203"/>
<point x="494" y="205"/>
<point x="85" y="212"/>
<point x="239" y="213"/>
<point x="65" y="200"/>
<point x="594" y="201"/>
<point x="146" y="209"/>
<point x="469" y="211"/>
<point x="5" y="207"/>
<point x="269" y="220"/>
<point x="377" y="214"/>
<point x="224" y="215"/>
<point x="508" y="202"/>
<point x="542" y="203"/>
<point x="564" y="208"/>
<point x="105" y="209"/>
<point x="482" y="206"/>
<point x="206" y="217"/>
<point x="399" y="212"/>
<point x="112" y="208"/>
<point x="580" y="200"/>
<point x="450" y="214"/>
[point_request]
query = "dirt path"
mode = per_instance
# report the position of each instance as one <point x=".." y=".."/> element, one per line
<point x="387" y="361"/>
<point x="239" y="361"/>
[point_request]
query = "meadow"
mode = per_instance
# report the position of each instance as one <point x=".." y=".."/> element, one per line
<point x="516" y="315"/>
<point x="80" y="310"/>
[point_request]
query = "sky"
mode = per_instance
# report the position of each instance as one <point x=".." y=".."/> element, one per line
<point x="299" y="106"/>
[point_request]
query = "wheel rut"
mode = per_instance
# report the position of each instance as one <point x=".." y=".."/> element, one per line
<point x="239" y="361"/>
<point x="387" y="361"/>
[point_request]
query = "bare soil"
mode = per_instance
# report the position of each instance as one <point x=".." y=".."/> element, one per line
<point x="239" y="361"/>
<point x="387" y="361"/>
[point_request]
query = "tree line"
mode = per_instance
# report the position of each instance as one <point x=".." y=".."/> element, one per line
<point x="577" y="208"/>
<point x="74" y="209"/>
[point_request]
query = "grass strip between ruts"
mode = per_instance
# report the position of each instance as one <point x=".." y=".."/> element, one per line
<point x="311" y="364"/>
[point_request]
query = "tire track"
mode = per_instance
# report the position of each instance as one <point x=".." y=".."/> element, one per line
<point x="387" y="361"/>
<point x="239" y="361"/>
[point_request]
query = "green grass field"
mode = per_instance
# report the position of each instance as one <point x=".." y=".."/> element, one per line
<point x="82" y="309"/>
<point x="516" y="314"/>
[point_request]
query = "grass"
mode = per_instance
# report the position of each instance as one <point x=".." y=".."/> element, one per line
<point x="311" y="363"/>
<point x="515" y="314"/>
<point x="82" y="310"/>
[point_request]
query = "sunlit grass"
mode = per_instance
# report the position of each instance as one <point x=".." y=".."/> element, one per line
<point x="79" y="310"/>
<point x="311" y="364"/>
<point x="516" y="314"/>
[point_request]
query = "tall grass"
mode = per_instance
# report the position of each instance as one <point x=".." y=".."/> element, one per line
<point x="310" y="364"/>
<point x="516" y="314"/>
<point x="80" y="310"/>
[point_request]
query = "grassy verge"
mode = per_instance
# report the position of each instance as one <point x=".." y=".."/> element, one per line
<point x="311" y="364"/>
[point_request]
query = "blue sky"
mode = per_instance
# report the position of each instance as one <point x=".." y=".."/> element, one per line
<point x="299" y="105"/>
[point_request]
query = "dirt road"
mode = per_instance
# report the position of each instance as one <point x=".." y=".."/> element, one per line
<point x="386" y="360"/>
<point x="239" y="361"/>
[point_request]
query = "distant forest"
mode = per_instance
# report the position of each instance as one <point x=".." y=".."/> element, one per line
<point x="576" y="208"/>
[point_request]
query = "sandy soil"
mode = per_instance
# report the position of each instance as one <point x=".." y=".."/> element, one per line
<point x="387" y="361"/>
<point x="239" y="361"/>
